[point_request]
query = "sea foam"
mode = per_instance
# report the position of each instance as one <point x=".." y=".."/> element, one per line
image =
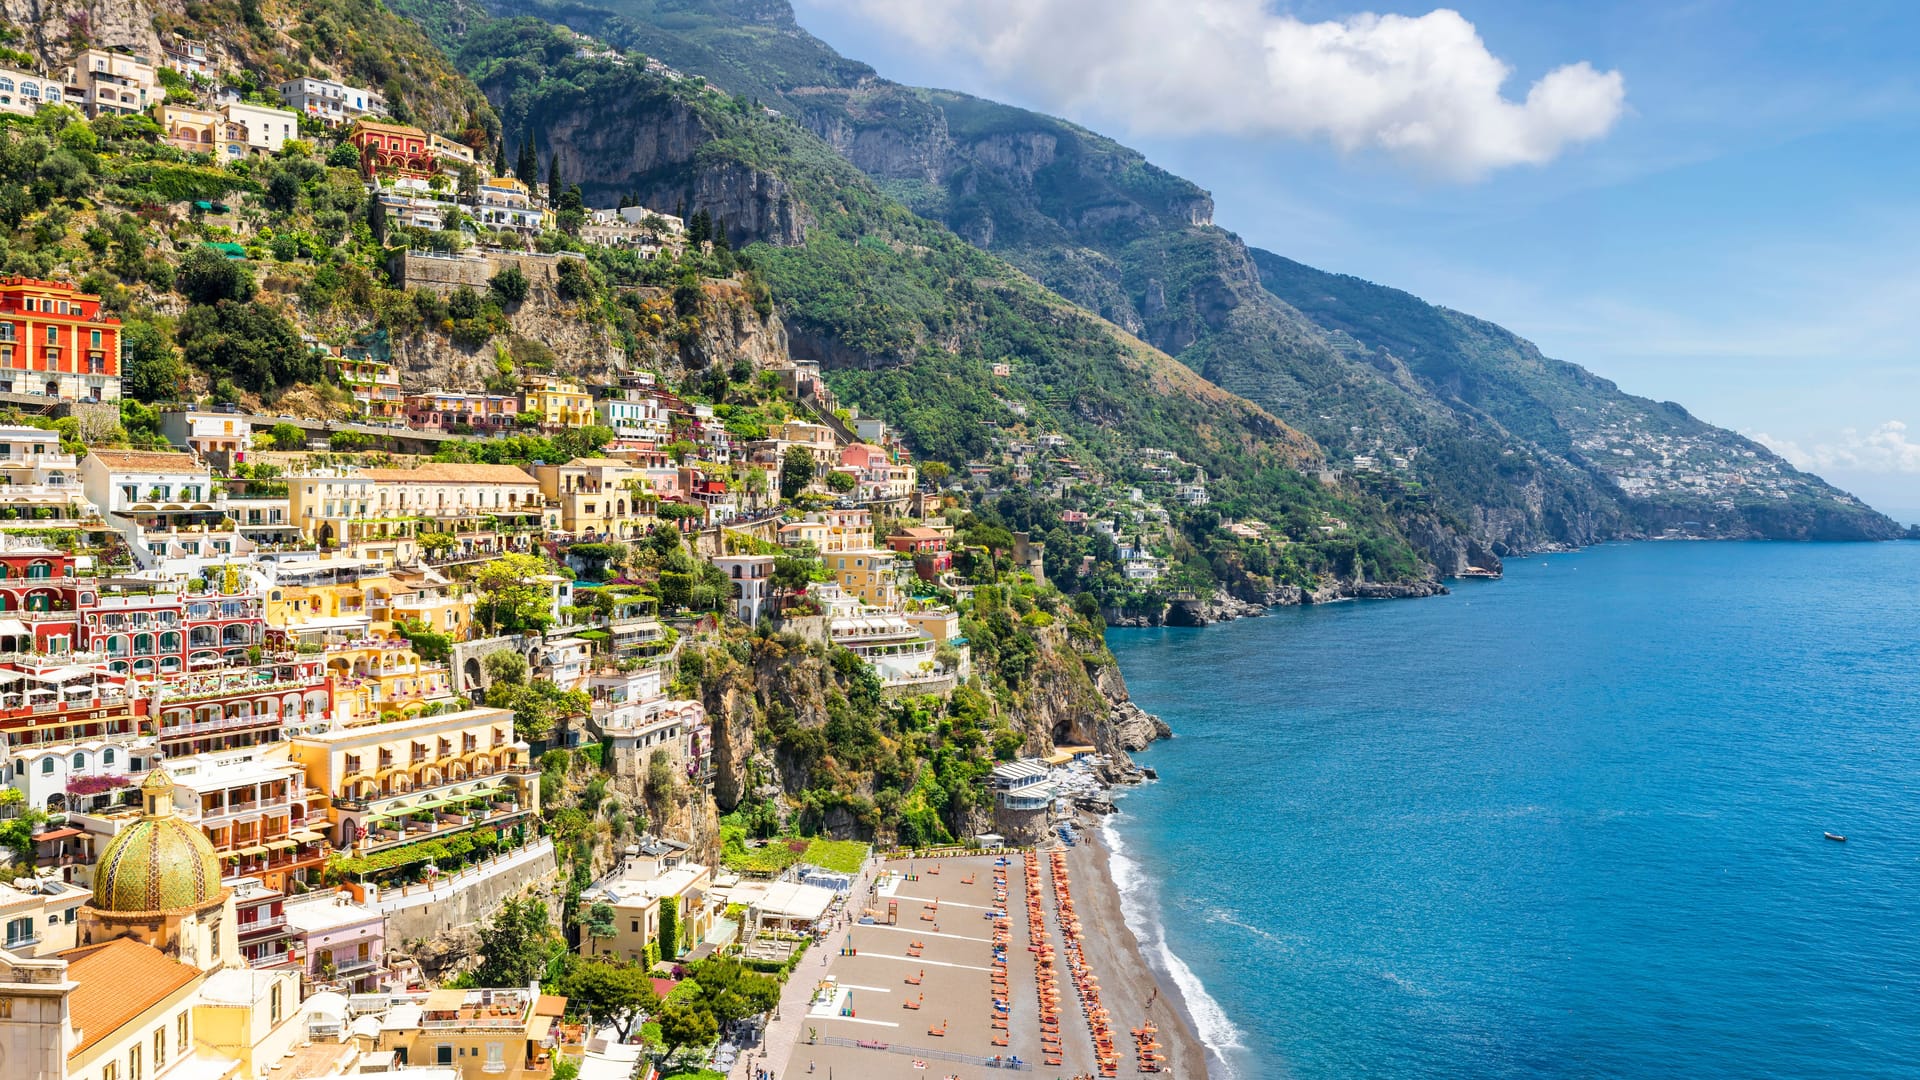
<point x="1137" y="904"/>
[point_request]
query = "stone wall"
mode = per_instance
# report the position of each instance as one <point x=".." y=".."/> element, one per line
<point x="445" y="273"/>
<point x="440" y="910"/>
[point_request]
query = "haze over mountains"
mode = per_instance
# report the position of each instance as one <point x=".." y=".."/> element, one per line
<point x="1476" y="442"/>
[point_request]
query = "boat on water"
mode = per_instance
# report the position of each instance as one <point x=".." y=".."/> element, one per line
<point x="1836" y="837"/>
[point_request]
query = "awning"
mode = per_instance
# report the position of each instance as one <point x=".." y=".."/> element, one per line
<point x="283" y="845"/>
<point x="308" y="836"/>
<point x="14" y="628"/>
<point x="251" y="851"/>
<point x="445" y="1000"/>
<point x="57" y="834"/>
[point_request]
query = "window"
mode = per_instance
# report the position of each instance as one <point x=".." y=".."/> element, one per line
<point x="133" y="1062"/>
<point x="46" y="767"/>
<point x="80" y="761"/>
<point x="106" y="756"/>
<point x="273" y="1008"/>
<point x="110" y="1071"/>
<point x="20" y="932"/>
<point x="159" y="1048"/>
<point x="443" y="1054"/>
<point x="180" y="1028"/>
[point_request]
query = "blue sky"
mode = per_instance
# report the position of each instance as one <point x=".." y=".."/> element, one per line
<point x="1738" y="234"/>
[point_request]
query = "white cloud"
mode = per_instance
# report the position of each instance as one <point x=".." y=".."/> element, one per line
<point x="1885" y="449"/>
<point x="1424" y="90"/>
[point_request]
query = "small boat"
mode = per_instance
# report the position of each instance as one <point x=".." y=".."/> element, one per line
<point x="1834" y="836"/>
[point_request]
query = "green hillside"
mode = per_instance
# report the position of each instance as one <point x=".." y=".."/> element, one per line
<point x="1490" y="433"/>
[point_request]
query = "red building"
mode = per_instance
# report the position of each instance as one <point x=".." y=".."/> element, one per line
<point x="55" y="341"/>
<point x="230" y="709"/>
<point x="40" y="598"/>
<point x="392" y="151"/>
<point x="928" y="548"/>
<point x="163" y="633"/>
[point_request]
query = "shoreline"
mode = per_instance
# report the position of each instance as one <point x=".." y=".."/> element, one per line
<point x="1126" y="970"/>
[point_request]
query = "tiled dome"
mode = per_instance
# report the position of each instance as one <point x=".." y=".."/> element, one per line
<point x="159" y="863"/>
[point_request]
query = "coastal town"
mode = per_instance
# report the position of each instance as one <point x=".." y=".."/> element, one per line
<point x="369" y="731"/>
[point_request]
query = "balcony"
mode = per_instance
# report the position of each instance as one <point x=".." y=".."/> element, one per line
<point x="274" y="959"/>
<point x="233" y="723"/>
<point x="261" y="925"/>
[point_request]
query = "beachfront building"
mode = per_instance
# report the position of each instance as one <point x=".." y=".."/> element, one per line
<point x="492" y="1034"/>
<point x="651" y="875"/>
<point x="1023" y="800"/>
<point x="57" y="341"/>
<point x="403" y="782"/>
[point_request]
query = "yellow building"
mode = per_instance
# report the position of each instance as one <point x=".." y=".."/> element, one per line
<point x="867" y="573"/>
<point x="558" y="404"/>
<point x="399" y="783"/>
<point x="486" y="1034"/>
<point x="373" y="677"/>
<point x="635" y="891"/>
<point x="599" y="497"/>
<point x="379" y="513"/>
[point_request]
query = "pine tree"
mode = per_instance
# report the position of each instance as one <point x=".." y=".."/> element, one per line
<point x="500" y="158"/>
<point x="719" y="230"/>
<point x="554" y="187"/>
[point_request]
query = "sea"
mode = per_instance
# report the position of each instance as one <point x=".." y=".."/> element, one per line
<point x="1566" y="824"/>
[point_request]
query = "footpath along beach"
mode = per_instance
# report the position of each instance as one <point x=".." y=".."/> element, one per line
<point x="954" y="978"/>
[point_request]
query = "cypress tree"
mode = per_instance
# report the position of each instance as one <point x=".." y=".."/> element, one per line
<point x="554" y="188"/>
<point x="528" y="167"/>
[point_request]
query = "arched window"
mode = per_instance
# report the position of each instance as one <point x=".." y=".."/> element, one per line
<point x="53" y="95"/>
<point x="40" y="569"/>
<point x="143" y="644"/>
<point x="30" y="91"/>
<point x="6" y="85"/>
<point x="170" y="641"/>
<point x="106" y="756"/>
<point x="80" y="760"/>
<point x="46" y="766"/>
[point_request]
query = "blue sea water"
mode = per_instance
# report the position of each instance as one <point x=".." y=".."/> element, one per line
<point x="1568" y="824"/>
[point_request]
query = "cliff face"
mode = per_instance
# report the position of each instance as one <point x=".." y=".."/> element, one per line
<point x="637" y="139"/>
<point x="574" y="341"/>
<point x="783" y="727"/>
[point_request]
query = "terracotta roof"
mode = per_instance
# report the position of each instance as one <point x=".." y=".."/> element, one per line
<point x="916" y="532"/>
<point x="148" y="461"/>
<point x="447" y="472"/>
<point x="118" y="981"/>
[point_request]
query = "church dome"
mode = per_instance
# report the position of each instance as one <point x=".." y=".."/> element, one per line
<point x="159" y="863"/>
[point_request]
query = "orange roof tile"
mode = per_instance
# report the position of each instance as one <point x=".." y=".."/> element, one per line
<point x="118" y="980"/>
<point x="148" y="461"/>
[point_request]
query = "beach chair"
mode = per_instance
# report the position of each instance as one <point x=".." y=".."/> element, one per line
<point x="938" y="1032"/>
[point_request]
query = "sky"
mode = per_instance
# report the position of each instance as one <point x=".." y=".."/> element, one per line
<point x="1708" y="202"/>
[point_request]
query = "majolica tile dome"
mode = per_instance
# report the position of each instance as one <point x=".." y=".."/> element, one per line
<point x="159" y="863"/>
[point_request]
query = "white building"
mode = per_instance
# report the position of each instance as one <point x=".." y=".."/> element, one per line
<point x="23" y="92"/>
<point x="331" y="103"/>
<point x="752" y="577"/>
<point x="266" y="129"/>
<point x="116" y="82"/>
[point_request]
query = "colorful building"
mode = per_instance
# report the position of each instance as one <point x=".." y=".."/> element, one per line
<point x="392" y="151"/>
<point x="55" y="340"/>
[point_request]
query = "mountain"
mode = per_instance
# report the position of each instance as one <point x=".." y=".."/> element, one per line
<point x="948" y="342"/>
<point x="1472" y="437"/>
